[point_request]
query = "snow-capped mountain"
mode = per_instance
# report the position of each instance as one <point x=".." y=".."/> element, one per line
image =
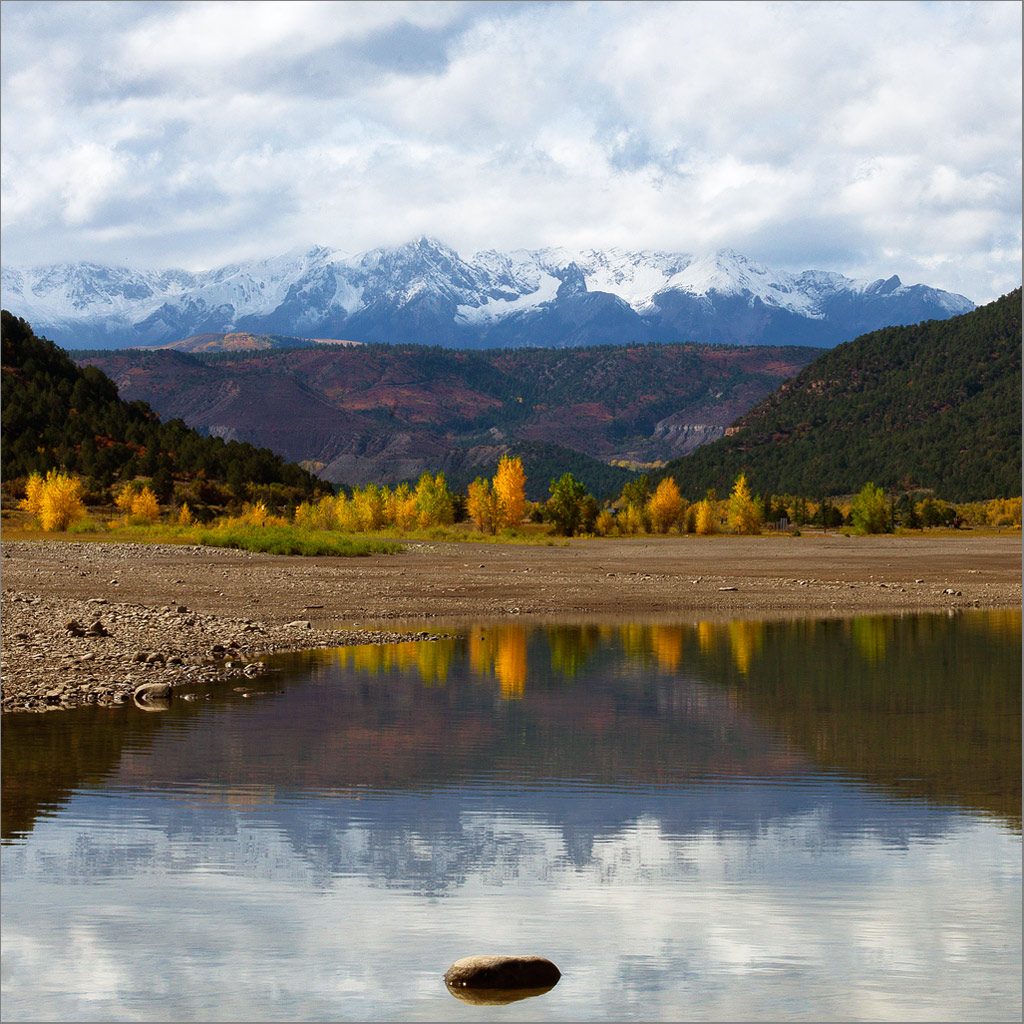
<point x="426" y="293"/>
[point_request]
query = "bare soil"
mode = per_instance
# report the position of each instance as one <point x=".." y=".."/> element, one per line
<point x="174" y="605"/>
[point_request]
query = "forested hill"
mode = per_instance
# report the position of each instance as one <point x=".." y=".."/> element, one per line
<point x="936" y="405"/>
<point x="56" y="414"/>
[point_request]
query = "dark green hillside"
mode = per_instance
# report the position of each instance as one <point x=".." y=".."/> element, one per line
<point x="543" y="463"/>
<point x="936" y="405"/>
<point x="58" y="415"/>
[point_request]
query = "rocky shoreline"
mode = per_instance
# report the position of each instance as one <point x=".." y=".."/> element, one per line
<point x="88" y="623"/>
<point x="61" y="653"/>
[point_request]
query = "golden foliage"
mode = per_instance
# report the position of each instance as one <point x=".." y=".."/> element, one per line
<point x="60" y="501"/>
<point x="434" y="503"/>
<point x="633" y="519"/>
<point x="666" y="507"/>
<point x="144" y="507"/>
<point x="510" y="489"/>
<point x="482" y="505"/>
<point x="604" y="524"/>
<point x="706" y="517"/>
<point x="744" y="512"/>
<point x="33" y="495"/>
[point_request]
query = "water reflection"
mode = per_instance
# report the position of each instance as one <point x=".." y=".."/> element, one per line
<point x="923" y="705"/>
<point x="721" y="820"/>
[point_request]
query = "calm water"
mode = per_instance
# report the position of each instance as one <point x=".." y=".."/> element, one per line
<point x="804" y="820"/>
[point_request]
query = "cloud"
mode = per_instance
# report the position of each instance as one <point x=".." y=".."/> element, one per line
<point x="883" y="138"/>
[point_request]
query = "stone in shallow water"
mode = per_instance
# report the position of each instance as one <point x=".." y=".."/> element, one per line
<point x="153" y="696"/>
<point x="505" y="972"/>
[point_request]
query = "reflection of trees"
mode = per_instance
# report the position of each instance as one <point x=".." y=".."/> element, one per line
<point x="430" y="659"/>
<point x="510" y="661"/>
<point x="745" y="638"/>
<point x="869" y="634"/>
<point x="571" y="647"/>
<point x="927" y="704"/>
<point x="667" y="645"/>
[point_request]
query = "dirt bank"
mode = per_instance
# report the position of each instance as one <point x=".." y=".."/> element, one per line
<point x="167" y="608"/>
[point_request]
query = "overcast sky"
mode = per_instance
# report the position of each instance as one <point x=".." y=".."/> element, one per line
<point x="867" y="138"/>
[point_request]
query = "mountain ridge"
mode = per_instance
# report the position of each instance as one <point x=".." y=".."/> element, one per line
<point x="933" y="406"/>
<point x="386" y="413"/>
<point x="424" y="292"/>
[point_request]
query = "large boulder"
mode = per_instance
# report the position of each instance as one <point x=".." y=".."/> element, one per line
<point x="502" y="972"/>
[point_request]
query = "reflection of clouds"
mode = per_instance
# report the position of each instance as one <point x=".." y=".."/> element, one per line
<point x="730" y="923"/>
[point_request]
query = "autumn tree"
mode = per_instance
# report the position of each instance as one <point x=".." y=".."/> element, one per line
<point x="634" y="515"/>
<point x="509" y="488"/>
<point x="144" y="507"/>
<point x="434" y="504"/>
<point x="706" y="517"/>
<point x="401" y="508"/>
<point x="666" y="506"/>
<point x="482" y="505"/>
<point x="744" y="511"/>
<point x="60" y="501"/>
<point x="368" y="506"/>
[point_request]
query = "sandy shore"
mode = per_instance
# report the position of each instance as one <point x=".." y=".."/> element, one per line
<point x="198" y="614"/>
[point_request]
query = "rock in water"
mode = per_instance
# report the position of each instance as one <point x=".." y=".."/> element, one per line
<point x="153" y="696"/>
<point x="502" y="972"/>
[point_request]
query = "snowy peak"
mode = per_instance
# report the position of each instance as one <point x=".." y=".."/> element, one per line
<point x="426" y="292"/>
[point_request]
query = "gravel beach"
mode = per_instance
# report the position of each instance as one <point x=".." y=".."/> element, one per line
<point x="89" y="622"/>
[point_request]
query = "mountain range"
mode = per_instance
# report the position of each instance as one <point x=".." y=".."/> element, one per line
<point x="426" y="293"/>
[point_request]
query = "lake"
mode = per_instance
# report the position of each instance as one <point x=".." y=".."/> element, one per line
<point x="800" y="820"/>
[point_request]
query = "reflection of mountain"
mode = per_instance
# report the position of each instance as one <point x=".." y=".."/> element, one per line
<point x="620" y="717"/>
<point x="47" y="756"/>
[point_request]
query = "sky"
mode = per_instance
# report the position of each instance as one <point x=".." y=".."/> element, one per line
<point x="866" y="138"/>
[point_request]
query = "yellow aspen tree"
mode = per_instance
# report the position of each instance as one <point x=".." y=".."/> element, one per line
<point x="185" y="517"/>
<point x="125" y="497"/>
<point x="61" y="502"/>
<point x="706" y="521"/>
<point x="145" y="507"/>
<point x="434" y="501"/>
<point x="744" y="514"/>
<point x="345" y="513"/>
<point x="510" y="490"/>
<point x="402" y="512"/>
<point x="369" y="505"/>
<point x="604" y="524"/>
<point x="33" y="496"/>
<point x="482" y="505"/>
<point x="633" y="519"/>
<point x="666" y="507"/>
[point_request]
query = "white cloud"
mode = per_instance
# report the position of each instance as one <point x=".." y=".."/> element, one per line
<point x="865" y="138"/>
